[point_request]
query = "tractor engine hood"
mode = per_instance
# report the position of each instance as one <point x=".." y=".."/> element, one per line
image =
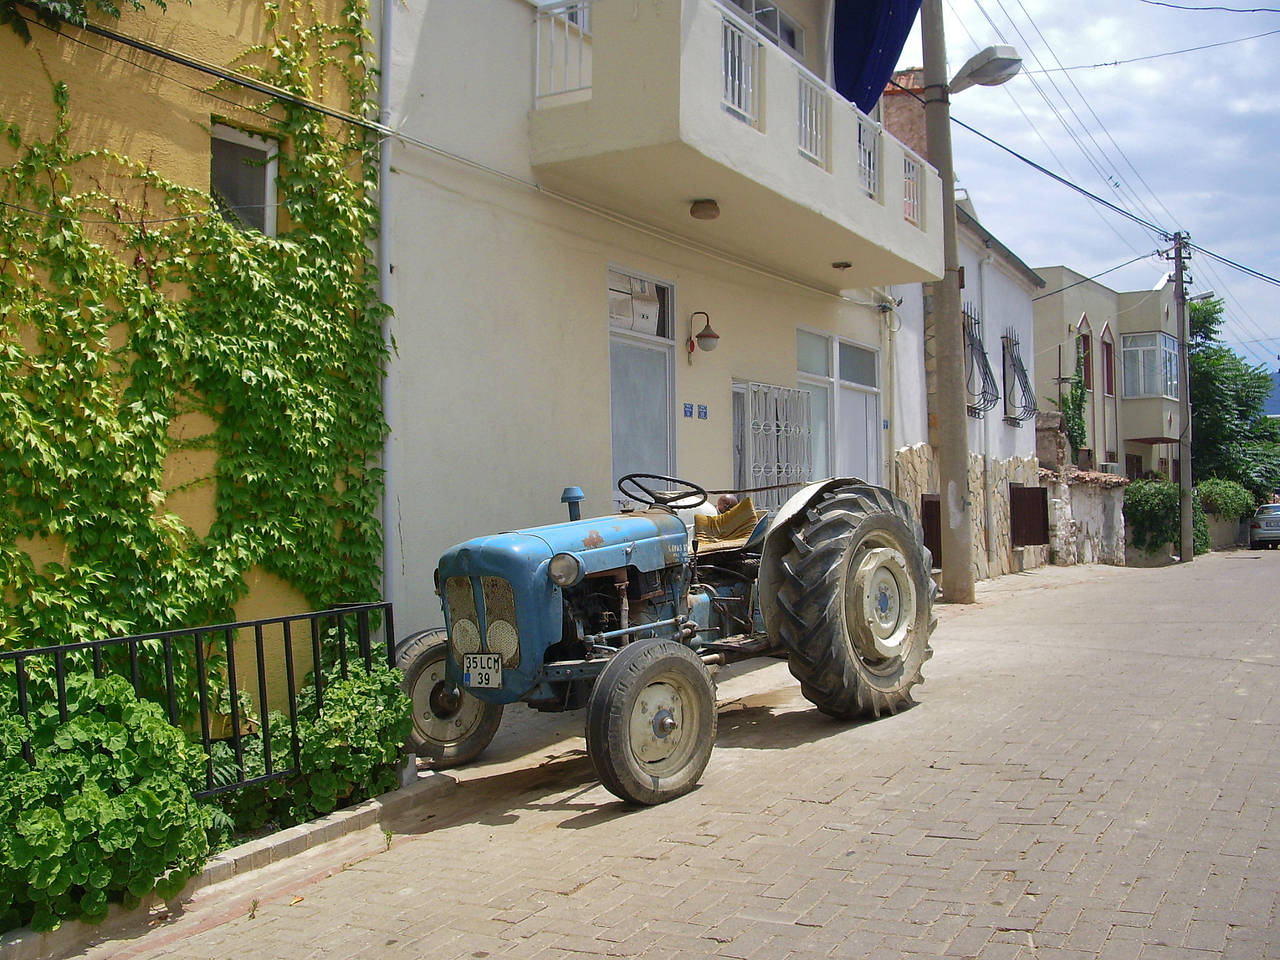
<point x="500" y="589"/>
<point x="647" y="541"/>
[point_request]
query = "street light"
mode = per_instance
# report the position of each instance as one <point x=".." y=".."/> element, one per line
<point x="990" y="67"/>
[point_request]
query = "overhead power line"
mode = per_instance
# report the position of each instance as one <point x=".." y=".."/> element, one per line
<point x="1256" y="274"/>
<point x="1164" y="234"/>
<point x="1119" y="266"/>
<point x="1154" y="56"/>
<point x="1179" y="6"/>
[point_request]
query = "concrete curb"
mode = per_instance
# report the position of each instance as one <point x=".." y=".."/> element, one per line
<point x="26" y="944"/>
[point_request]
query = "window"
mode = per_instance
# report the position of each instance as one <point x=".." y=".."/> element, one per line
<point x="242" y="178"/>
<point x="842" y="379"/>
<point x="641" y="375"/>
<point x="1108" y="365"/>
<point x="1084" y="359"/>
<point x="813" y="361"/>
<point x="1150" y="365"/>
<point x="772" y="443"/>
<point x="774" y="24"/>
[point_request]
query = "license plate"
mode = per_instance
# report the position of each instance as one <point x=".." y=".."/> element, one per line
<point x="1271" y="524"/>
<point x="482" y="670"/>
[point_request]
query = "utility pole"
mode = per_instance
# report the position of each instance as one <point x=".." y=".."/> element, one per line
<point x="1187" y="551"/>
<point x="953" y="427"/>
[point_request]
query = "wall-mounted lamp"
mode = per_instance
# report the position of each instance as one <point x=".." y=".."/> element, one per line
<point x="706" y="339"/>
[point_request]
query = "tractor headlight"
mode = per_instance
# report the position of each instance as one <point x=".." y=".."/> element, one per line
<point x="565" y="570"/>
<point x="466" y="638"/>
<point x="502" y="639"/>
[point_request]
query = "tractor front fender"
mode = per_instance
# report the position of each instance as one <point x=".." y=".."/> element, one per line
<point x="778" y="541"/>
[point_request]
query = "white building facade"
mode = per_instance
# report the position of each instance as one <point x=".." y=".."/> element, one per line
<point x="580" y="190"/>
<point x="997" y="304"/>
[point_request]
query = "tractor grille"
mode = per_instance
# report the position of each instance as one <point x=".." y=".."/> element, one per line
<point x="493" y="628"/>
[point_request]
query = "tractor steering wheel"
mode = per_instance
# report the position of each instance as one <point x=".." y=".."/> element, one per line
<point x="685" y="496"/>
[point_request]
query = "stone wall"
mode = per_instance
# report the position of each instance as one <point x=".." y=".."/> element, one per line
<point x="1086" y="517"/>
<point x="917" y="474"/>
<point x="1226" y="531"/>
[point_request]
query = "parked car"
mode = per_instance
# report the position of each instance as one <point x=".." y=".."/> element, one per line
<point x="1264" y="528"/>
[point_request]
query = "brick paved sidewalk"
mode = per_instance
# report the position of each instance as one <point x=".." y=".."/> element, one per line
<point x="1090" y="773"/>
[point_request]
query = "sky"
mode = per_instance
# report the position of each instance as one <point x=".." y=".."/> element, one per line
<point x="1188" y="142"/>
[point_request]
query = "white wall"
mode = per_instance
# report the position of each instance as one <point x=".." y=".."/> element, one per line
<point x="1003" y="299"/>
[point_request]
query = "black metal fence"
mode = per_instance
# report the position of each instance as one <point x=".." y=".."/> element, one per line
<point x="194" y="675"/>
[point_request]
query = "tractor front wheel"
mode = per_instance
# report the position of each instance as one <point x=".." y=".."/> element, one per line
<point x="450" y="726"/>
<point x="651" y="722"/>
<point x="856" y="603"/>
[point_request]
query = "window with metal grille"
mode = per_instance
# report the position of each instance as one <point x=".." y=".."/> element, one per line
<point x="1019" y="397"/>
<point x="980" y="381"/>
<point x="772" y="441"/>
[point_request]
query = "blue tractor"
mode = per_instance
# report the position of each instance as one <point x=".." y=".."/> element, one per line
<point x="626" y="615"/>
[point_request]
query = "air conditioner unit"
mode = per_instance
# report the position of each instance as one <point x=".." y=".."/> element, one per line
<point x="1107" y="466"/>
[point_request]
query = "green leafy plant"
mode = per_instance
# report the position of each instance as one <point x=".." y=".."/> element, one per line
<point x="104" y="815"/>
<point x="1232" y="438"/>
<point x="348" y="751"/>
<point x="1225" y="498"/>
<point x="1074" y="424"/>
<point x="1152" y="513"/>
<point x="53" y="12"/>
<point x="1200" y="539"/>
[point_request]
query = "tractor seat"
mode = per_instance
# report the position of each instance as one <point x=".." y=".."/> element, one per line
<point x="729" y="530"/>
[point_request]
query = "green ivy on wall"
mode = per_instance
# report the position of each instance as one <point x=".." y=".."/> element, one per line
<point x="1072" y="406"/>
<point x="124" y="308"/>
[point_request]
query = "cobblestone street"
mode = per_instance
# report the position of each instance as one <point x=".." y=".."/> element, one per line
<point x="1090" y="772"/>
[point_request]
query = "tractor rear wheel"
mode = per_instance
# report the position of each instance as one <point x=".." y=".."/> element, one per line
<point x="450" y="726"/>
<point x="856" y="602"/>
<point x="651" y="722"/>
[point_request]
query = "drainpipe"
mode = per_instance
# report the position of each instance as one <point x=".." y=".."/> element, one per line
<point x="390" y="520"/>
<point x="988" y="508"/>
<point x="892" y="322"/>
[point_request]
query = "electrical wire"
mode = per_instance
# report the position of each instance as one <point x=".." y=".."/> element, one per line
<point x="1155" y="56"/>
<point x="1017" y="104"/>
<point x="1048" y="100"/>
<point x="1178" y="6"/>
<point x="1119" y="266"/>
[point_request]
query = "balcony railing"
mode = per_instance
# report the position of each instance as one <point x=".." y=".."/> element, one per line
<point x="740" y="48"/>
<point x="868" y="154"/>
<point x="813" y="109"/>
<point x="563" y="49"/>
<point x="911" y="183"/>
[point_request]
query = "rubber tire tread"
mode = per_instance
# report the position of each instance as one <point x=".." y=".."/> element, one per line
<point x="820" y="652"/>
<point x="608" y="721"/>
<point x="413" y="655"/>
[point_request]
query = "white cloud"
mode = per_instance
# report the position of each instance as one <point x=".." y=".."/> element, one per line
<point x="1202" y="130"/>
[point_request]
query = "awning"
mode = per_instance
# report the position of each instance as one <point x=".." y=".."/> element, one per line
<point x="868" y="39"/>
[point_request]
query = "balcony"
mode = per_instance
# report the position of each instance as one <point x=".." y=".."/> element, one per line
<point x="641" y="109"/>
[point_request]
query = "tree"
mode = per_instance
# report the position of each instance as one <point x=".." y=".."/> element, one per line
<point x="1231" y="438"/>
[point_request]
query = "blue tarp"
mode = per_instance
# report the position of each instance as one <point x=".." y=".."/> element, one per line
<point x="868" y="39"/>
